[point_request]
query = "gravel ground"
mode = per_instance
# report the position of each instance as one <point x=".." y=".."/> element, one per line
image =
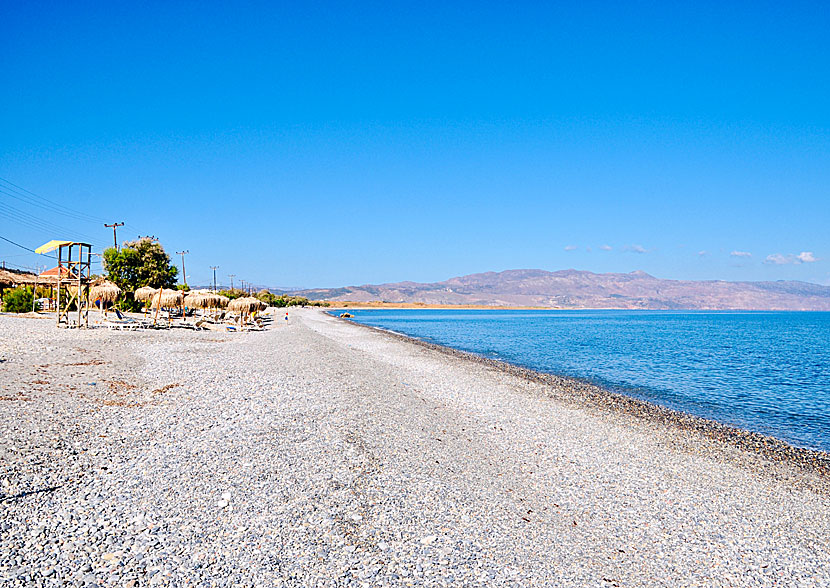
<point x="320" y="453"/>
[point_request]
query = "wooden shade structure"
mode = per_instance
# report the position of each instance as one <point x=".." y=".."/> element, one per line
<point x="8" y="278"/>
<point x="104" y="291"/>
<point x="195" y="300"/>
<point x="144" y="293"/>
<point x="71" y="279"/>
<point x="167" y="298"/>
<point x="244" y="305"/>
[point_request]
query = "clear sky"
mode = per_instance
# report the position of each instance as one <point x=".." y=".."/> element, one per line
<point x="328" y="144"/>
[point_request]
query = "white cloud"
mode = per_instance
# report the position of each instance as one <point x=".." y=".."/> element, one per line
<point x="571" y="247"/>
<point x="606" y="247"/>
<point x="588" y="249"/>
<point x="702" y="253"/>
<point x="635" y="248"/>
<point x="741" y="254"/>
<point x="780" y="259"/>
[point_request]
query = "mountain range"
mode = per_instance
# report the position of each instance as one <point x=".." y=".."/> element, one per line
<point x="582" y="289"/>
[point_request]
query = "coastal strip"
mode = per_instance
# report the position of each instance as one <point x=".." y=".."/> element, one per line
<point x="586" y="394"/>
<point x="320" y="453"/>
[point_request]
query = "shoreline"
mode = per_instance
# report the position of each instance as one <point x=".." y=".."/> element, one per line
<point x="344" y="305"/>
<point x="585" y="394"/>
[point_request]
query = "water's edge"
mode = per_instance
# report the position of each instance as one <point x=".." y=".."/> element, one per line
<point x="588" y="394"/>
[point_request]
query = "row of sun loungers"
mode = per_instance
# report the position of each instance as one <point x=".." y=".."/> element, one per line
<point x="222" y="321"/>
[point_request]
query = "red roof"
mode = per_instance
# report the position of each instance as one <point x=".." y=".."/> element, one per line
<point x="53" y="273"/>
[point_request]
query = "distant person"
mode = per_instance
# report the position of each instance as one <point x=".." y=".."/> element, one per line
<point x="286" y="317"/>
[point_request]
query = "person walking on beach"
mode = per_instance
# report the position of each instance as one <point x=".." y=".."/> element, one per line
<point x="286" y="317"/>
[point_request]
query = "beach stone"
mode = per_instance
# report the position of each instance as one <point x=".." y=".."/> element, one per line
<point x="346" y="456"/>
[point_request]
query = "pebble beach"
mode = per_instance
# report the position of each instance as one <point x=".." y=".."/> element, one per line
<point x="324" y="453"/>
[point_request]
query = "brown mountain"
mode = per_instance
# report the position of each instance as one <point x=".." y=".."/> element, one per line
<point x="582" y="289"/>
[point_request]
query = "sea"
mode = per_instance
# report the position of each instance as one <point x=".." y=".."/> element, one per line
<point x="767" y="372"/>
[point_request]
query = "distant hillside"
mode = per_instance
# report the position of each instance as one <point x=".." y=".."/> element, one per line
<point x="581" y="289"/>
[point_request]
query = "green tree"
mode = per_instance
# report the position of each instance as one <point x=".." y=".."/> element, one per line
<point x="267" y="297"/>
<point x="234" y="293"/>
<point x="139" y="263"/>
<point x="18" y="300"/>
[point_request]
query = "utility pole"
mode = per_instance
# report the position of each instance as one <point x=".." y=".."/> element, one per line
<point x="184" y="273"/>
<point x="114" y="226"/>
<point x="231" y="276"/>
<point x="213" y="267"/>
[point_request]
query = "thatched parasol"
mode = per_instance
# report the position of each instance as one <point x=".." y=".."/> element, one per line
<point x="144" y="293"/>
<point x="223" y="301"/>
<point x="104" y="291"/>
<point x="8" y="278"/>
<point x="209" y="300"/>
<point x="245" y="305"/>
<point x="195" y="300"/>
<point x="168" y="299"/>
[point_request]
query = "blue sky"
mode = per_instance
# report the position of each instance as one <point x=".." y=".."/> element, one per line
<point x="313" y="144"/>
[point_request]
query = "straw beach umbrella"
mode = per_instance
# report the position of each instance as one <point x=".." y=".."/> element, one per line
<point x="194" y="300"/>
<point x="210" y="300"/>
<point x="167" y="298"/>
<point x="244" y="305"/>
<point x="144" y="293"/>
<point x="106" y="292"/>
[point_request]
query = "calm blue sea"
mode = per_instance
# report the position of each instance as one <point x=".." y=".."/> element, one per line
<point x="763" y="371"/>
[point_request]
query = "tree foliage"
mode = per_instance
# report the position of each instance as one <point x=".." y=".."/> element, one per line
<point x="282" y="300"/>
<point x="18" y="300"/>
<point x="139" y="263"/>
<point x="232" y="293"/>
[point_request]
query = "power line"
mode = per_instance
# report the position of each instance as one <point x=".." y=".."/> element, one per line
<point x="37" y="223"/>
<point x="15" y="266"/>
<point x="28" y="196"/>
<point x="36" y="220"/>
<point x="26" y="248"/>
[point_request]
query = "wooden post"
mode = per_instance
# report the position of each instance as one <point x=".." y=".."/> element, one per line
<point x="80" y="293"/>
<point x="58" y="301"/>
<point x="158" y="306"/>
<point x="34" y="295"/>
<point x="88" y="278"/>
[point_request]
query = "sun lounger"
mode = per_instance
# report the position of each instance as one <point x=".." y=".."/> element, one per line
<point x="122" y="322"/>
<point x="128" y="324"/>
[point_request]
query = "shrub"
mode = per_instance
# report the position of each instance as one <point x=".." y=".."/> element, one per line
<point x="18" y="300"/>
<point x="232" y="293"/>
